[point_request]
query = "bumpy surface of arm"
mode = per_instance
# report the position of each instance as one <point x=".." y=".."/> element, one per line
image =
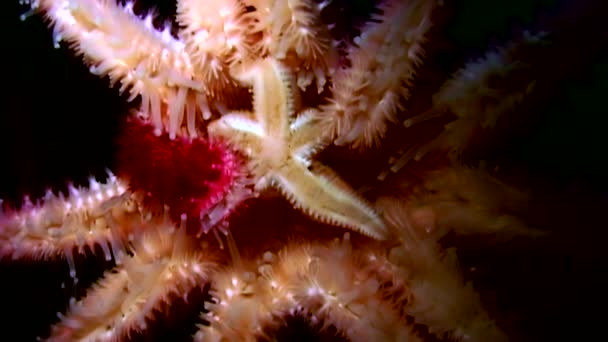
<point x="430" y="287"/>
<point x="330" y="285"/>
<point x="479" y="95"/>
<point x="367" y="95"/>
<point x="292" y="32"/>
<point x="163" y="266"/>
<point x="218" y="36"/>
<point x="99" y="215"/>
<point x="130" y="51"/>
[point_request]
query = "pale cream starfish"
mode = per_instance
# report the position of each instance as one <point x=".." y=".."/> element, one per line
<point x="280" y="145"/>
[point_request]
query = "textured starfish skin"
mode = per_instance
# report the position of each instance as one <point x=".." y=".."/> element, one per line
<point x="280" y="146"/>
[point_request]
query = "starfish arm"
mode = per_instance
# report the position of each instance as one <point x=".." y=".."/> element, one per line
<point x="240" y="131"/>
<point x="88" y="217"/>
<point x="339" y="285"/>
<point x="301" y="280"/>
<point x="216" y="34"/>
<point x="324" y="197"/>
<point x="159" y="270"/>
<point x="306" y="135"/>
<point x="367" y="95"/>
<point x="273" y="96"/>
<point x="293" y="29"/>
<point x="242" y="307"/>
<point x="130" y="50"/>
<point x="477" y="97"/>
<point x="439" y="296"/>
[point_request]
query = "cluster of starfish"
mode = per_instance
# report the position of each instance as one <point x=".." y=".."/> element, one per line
<point x="234" y="110"/>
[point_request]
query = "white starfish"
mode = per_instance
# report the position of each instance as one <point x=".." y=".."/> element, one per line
<point x="280" y="145"/>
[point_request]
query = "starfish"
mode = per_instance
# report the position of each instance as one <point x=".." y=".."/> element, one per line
<point x="196" y="151"/>
<point x="280" y="146"/>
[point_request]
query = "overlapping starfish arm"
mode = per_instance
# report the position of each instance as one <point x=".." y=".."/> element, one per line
<point x="101" y="215"/>
<point x="368" y="94"/>
<point x="164" y="265"/>
<point x="276" y="144"/>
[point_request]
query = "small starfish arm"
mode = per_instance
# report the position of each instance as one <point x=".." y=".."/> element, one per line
<point x="130" y="50"/>
<point x="276" y="145"/>
<point x="301" y="281"/>
<point x="273" y="99"/>
<point x="321" y="195"/>
<point x="101" y="215"/>
<point x="368" y="94"/>
<point x="161" y="268"/>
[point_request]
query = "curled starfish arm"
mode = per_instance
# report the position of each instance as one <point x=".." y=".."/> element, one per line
<point x="321" y="195"/>
<point x="99" y="215"/>
<point x="162" y="267"/>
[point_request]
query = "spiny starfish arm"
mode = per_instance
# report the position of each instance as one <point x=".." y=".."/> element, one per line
<point x="293" y="32"/>
<point x="162" y="267"/>
<point x="116" y="42"/>
<point x="240" y="130"/>
<point x="337" y="285"/>
<point x="273" y="96"/>
<point x="302" y="281"/>
<point x="306" y="135"/>
<point x="368" y="94"/>
<point x="241" y="310"/>
<point x="130" y="50"/>
<point x="99" y="215"/>
<point x="323" y="196"/>
<point x="480" y="94"/>
<point x="436" y="293"/>
<point x="216" y="34"/>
